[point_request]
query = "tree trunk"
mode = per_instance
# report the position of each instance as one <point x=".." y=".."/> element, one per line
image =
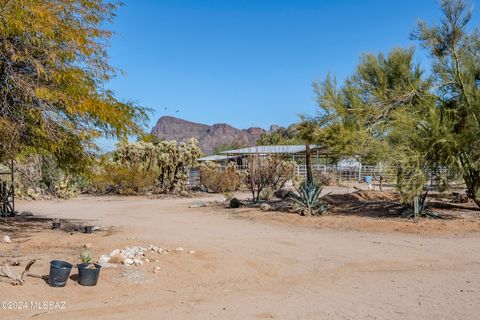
<point x="472" y="181"/>
<point x="308" y="162"/>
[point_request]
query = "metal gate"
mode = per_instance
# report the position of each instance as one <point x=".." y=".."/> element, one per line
<point x="7" y="192"/>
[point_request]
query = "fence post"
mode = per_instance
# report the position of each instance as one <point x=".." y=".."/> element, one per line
<point x="416" y="209"/>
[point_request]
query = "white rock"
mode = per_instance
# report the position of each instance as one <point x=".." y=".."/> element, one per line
<point x="191" y="252"/>
<point x="104" y="260"/>
<point x="115" y="252"/>
<point x="265" y="207"/>
<point x="198" y="204"/>
<point x="157" y="269"/>
<point x="147" y="260"/>
<point x="107" y="265"/>
<point x="128" y="261"/>
<point x="221" y="199"/>
<point x="138" y="262"/>
<point x="7" y="239"/>
<point x="179" y="250"/>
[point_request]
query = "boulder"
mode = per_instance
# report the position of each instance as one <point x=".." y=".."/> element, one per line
<point x="197" y="204"/>
<point x="283" y="193"/>
<point x="234" y="203"/>
<point x="265" y="207"/>
<point x="26" y="214"/>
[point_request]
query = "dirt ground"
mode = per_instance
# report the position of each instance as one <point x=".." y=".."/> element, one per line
<point x="248" y="264"/>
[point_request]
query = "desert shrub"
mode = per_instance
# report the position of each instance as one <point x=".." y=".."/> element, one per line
<point x="284" y="171"/>
<point x="324" y="178"/>
<point x="267" y="194"/>
<point x="218" y="179"/>
<point x="228" y="196"/>
<point x="263" y="172"/>
<point x="118" y="179"/>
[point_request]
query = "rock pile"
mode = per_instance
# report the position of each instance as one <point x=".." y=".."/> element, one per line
<point x="133" y="256"/>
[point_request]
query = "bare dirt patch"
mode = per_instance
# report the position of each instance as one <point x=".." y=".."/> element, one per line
<point x="371" y="211"/>
<point x="251" y="264"/>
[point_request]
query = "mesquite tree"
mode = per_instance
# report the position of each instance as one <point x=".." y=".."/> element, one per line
<point x="267" y="172"/>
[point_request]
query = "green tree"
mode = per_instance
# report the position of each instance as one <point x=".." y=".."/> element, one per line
<point x="455" y="134"/>
<point x="358" y="118"/>
<point x="389" y="111"/>
<point x="376" y="114"/>
<point x="280" y="136"/>
<point x="53" y="71"/>
<point x="231" y="146"/>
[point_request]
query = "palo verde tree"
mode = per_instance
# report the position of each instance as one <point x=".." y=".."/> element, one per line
<point x="455" y="51"/>
<point x="389" y="111"/>
<point x="53" y="71"/>
<point x="374" y="115"/>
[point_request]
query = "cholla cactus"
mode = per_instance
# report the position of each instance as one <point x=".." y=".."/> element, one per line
<point x="39" y="175"/>
<point x="168" y="161"/>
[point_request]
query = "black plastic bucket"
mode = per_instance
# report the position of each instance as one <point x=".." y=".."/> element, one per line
<point x="89" y="229"/>
<point x="88" y="277"/>
<point x="59" y="273"/>
<point x="55" y="225"/>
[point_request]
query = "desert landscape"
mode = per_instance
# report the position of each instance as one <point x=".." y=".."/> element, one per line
<point x="220" y="159"/>
<point x="246" y="264"/>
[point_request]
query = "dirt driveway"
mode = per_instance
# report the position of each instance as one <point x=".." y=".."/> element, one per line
<point x="249" y="267"/>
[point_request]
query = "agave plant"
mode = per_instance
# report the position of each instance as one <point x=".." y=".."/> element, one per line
<point x="422" y="209"/>
<point x="85" y="256"/>
<point x="308" y="200"/>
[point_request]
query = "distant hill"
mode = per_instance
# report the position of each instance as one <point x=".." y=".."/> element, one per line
<point x="209" y="137"/>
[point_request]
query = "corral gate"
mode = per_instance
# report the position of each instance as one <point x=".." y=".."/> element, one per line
<point x="7" y="192"/>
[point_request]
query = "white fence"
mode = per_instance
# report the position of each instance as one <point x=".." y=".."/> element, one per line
<point x="343" y="173"/>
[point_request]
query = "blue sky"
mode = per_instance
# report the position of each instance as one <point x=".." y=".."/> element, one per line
<point x="249" y="63"/>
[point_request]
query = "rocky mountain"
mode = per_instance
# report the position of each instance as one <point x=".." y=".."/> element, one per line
<point x="209" y="137"/>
